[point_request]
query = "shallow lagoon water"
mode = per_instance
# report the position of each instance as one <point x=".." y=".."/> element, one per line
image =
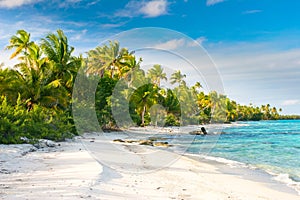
<point x="273" y="146"/>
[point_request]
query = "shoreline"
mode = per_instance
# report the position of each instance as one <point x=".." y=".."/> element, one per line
<point x="246" y="171"/>
<point x="279" y="181"/>
<point x="69" y="171"/>
<point x="217" y="129"/>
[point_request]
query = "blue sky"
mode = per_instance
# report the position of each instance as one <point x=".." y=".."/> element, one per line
<point x="255" y="44"/>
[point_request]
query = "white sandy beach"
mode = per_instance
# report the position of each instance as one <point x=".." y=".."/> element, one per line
<point x="128" y="171"/>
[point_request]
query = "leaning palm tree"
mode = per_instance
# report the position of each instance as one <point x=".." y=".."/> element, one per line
<point x="177" y="77"/>
<point x="156" y="73"/>
<point x="20" y="42"/>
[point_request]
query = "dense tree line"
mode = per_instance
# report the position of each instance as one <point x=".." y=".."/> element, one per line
<point x="36" y="94"/>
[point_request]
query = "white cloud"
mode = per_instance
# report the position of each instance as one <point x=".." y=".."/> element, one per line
<point x="8" y="29"/>
<point x="256" y="64"/>
<point x="113" y="25"/>
<point x="68" y="3"/>
<point x="213" y="2"/>
<point x="290" y="102"/>
<point x="16" y="3"/>
<point x="153" y="8"/>
<point x="171" y="44"/>
<point x="251" y="11"/>
<point x="259" y="72"/>
<point x="198" y="41"/>
<point x="73" y="1"/>
<point x="79" y="35"/>
<point x="93" y="3"/>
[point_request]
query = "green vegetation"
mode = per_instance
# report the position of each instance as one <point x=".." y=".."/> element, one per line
<point x="17" y="125"/>
<point x="36" y="94"/>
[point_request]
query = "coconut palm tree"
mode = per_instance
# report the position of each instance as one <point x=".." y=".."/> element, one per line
<point x="177" y="77"/>
<point x="64" y="65"/>
<point x="8" y="84"/>
<point x="231" y="113"/>
<point x="33" y="76"/>
<point x="20" y="42"/>
<point x="109" y="59"/>
<point x="274" y="113"/>
<point x="143" y="98"/>
<point x="156" y="73"/>
<point x="171" y="103"/>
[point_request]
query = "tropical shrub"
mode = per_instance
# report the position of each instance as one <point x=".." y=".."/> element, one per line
<point x="16" y="122"/>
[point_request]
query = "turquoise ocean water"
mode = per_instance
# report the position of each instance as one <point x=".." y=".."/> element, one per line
<point x="273" y="146"/>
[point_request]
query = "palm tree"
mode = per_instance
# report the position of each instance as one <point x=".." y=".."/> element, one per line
<point x="126" y="62"/>
<point x="265" y="109"/>
<point x="109" y="59"/>
<point x="21" y="42"/>
<point x="231" y="113"/>
<point x="64" y="65"/>
<point x="102" y="57"/>
<point x="196" y="87"/>
<point x="156" y="73"/>
<point x="9" y="83"/>
<point x="171" y="103"/>
<point x="177" y="77"/>
<point x="143" y="98"/>
<point x="33" y="76"/>
<point x="274" y="113"/>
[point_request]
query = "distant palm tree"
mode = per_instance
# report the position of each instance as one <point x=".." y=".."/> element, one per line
<point x="196" y="87"/>
<point x="143" y="98"/>
<point x="171" y="103"/>
<point x="177" y="77"/>
<point x="231" y="113"/>
<point x="126" y="62"/>
<point x="21" y="42"/>
<point x="107" y="58"/>
<point x="156" y="73"/>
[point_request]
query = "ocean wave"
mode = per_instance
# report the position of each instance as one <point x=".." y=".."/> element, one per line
<point x="286" y="179"/>
<point x="230" y="163"/>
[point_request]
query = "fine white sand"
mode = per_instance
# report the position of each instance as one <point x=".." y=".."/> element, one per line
<point x="127" y="171"/>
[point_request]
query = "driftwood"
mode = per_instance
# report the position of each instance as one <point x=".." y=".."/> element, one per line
<point x="149" y="142"/>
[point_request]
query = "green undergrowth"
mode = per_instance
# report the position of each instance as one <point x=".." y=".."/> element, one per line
<point x="18" y="124"/>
